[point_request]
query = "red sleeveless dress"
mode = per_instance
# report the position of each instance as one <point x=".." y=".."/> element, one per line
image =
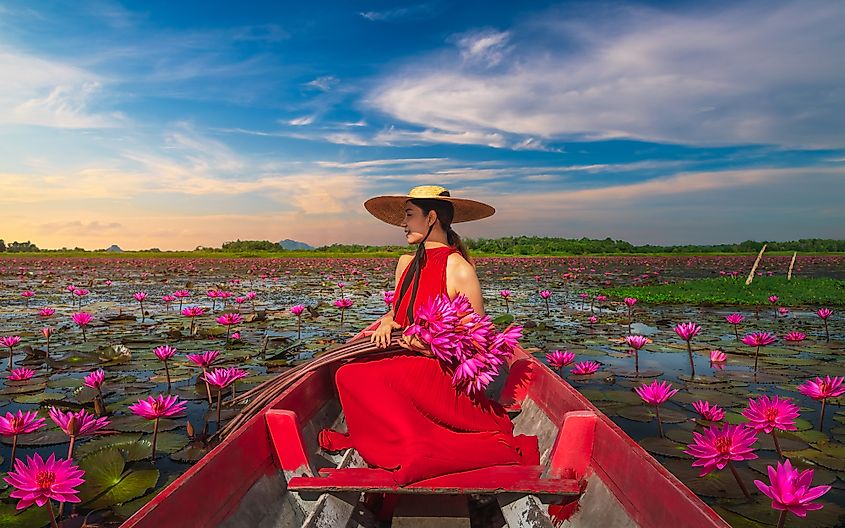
<point x="403" y="413"/>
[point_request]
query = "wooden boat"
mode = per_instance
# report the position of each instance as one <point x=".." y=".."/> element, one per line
<point x="272" y="473"/>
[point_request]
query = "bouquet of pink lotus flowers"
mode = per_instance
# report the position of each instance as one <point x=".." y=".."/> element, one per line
<point x="466" y="343"/>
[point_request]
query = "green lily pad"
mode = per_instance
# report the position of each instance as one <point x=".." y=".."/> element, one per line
<point x="108" y="481"/>
<point x="32" y="517"/>
<point x="645" y="413"/>
<point x="664" y="447"/>
<point x="719" y="484"/>
<point x="190" y="453"/>
<point x="42" y="437"/>
<point x="133" y="423"/>
<point x="760" y="510"/>
<point x="104" y="442"/>
<point x="169" y="442"/>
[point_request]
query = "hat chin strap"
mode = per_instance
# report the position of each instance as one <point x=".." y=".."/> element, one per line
<point x="413" y="275"/>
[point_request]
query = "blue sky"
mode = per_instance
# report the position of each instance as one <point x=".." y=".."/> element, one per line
<point x="178" y="124"/>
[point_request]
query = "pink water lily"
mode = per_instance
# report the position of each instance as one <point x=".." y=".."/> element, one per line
<point x="506" y="296"/>
<point x="735" y="319"/>
<point x="77" y="424"/>
<point x="387" y="297"/>
<point x="716" y="448"/>
<point x="10" y="342"/>
<point x="709" y="411"/>
<point x="46" y="312"/>
<point x="821" y="389"/>
<point x="791" y="491"/>
<point x="155" y="408"/>
<point x="758" y="339"/>
<point x="38" y="481"/>
<point x="27" y="295"/>
<point x="545" y="294"/>
<point x="204" y="361"/>
<point x="794" y="337"/>
<point x="192" y="312"/>
<point x="342" y="304"/>
<point x="47" y="331"/>
<point x="656" y="393"/>
<point x="82" y="319"/>
<point x="584" y="368"/>
<point x="557" y="359"/>
<point x="18" y="424"/>
<point x="181" y="295"/>
<point x="165" y="353"/>
<point x="222" y="378"/>
<point x="768" y="414"/>
<point x="95" y="379"/>
<point x="687" y="331"/>
<point x="140" y="296"/>
<point x="717" y="356"/>
<point x="21" y="374"/>
<point x="229" y="320"/>
<point x="773" y="299"/>
<point x="297" y="311"/>
<point x="637" y="342"/>
<point x="824" y="314"/>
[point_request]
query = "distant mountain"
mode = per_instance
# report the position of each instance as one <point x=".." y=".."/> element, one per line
<point x="293" y="244"/>
<point x="115" y="249"/>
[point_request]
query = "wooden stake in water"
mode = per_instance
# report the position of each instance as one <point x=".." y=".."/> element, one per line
<point x="754" y="267"/>
<point x="791" y="264"/>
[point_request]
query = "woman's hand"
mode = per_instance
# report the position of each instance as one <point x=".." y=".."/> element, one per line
<point x="381" y="337"/>
<point x="413" y="344"/>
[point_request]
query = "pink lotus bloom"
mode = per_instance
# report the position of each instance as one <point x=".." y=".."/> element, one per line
<point x="716" y="447"/>
<point x="505" y="293"/>
<point x="251" y="295"/>
<point x="601" y="298"/>
<point x="140" y="296"/>
<point x="223" y="377"/>
<point x="161" y="406"/>
<point x="545" y="294"/>
<point x="790" y="489"/>
<point x="10" y="341"/>
<point x="193" y="311"/>
<point x="637" y="341"/>
<point x="21" y="374"/>
<point x="824" y="313"/>
<point x="630" y="301"/>
<point x="584" y="368"/>
<point x="46" y="312"/>
<point x="821" y="389"/>
<point x="20" y="423"/>
<point x="164" y="352"/>
<point x="168" y="299"/>
<point x="795" y="337"/>
<point x="297" y="310"/>
<point x="81" y="292"/>
<point x="236" y="335"/>
<point x="708" y="411"/>
<point x="387" y="297"/>
<point x="717" y="356"/>
<point x="765" y="414"/>
<point x="181" y="294"/>
<point x="783" y="311"/>
<point x="593" y="319"/>
<point x="343" y="303"/>
<point x="79" y="423"/>
<point x="687" y="331"/>
<point x="584" y="295"/>
<point x="655" y="392"/>
<point x="229" y="319"/>
<point x="38" y="481"/>
<point x="107" y="282"/>
<point x="773" y="299"/>
<point x="734" y="318"/>
<point x="557" y="359"/>
<point x="82" y="319"/>
<point x="205" y="359"/>
<point x="240" y="300"/>
<point x="758" y="339"/>
<point x="47" y="331"/>
<point x="95" y="379"/>
<point x="27" y="293"/>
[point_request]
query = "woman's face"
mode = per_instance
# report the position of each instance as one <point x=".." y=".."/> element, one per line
<point x="416" y="223"/>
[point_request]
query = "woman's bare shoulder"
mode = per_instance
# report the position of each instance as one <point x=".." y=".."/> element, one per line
<point x="458" y="265"/>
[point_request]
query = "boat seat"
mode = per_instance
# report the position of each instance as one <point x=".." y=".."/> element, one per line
<point x="564" y="475"/>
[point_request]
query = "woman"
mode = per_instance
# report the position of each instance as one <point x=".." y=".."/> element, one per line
<point x="402" y="412"/>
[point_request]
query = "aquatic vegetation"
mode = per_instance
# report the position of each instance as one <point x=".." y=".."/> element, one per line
<point x="39" y="481"/>
<point x="823" y="389"/>
<point x="758" y="339"/>
<point x="557" y="359"/>
<point x="720" y="447"/>
<point x="155" y="408"/>
<point x="656" y="393"/>
<point x="769" y="414"/>
<point x="791" y="491"/>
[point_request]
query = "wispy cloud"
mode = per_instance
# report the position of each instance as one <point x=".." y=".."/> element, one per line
<point x="324" y="83"/>
<point x="397" y="13"/>
<point x="747" y="73"/>
<point x="487" y="48"/>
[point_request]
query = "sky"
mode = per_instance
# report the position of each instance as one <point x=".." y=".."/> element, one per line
<point x="184" y="124"/>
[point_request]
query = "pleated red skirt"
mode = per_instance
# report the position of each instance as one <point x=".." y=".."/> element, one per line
<point x="403" y="414"/>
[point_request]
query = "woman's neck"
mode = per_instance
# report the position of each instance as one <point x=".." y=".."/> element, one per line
<point x="431" y="244"/>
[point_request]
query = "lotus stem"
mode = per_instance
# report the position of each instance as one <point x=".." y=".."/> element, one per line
<point x="83" y="335"/>
<point x="637" y="362"/>
<point x="738" y="480"/>
<point x="14" y="447"/>
<point x="299" y="327"/>
<point x="548" y="312"/>
<point x="826" y="332"/>
<point x="691" y="361"/>
<point x="756" y="354"/>
<point x="52" y="515"/>
<point x="821" y="418"/>
<point x="659" y="423"/>
<point x="207" y="387"/>
<point x="777" y="444"/>
<point x="70" y="447"/>
<point x="155" y="437"/>
<point x="10" y="359"/>
<point x="167" y="373"/>
<point x="219" y="401"/>
<point x="782" y="519"/>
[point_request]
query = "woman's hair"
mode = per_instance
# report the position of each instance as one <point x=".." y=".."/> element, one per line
<point x="445" y="213"/>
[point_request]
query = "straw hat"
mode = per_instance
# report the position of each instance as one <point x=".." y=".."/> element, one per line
<point x="390" y="208"/>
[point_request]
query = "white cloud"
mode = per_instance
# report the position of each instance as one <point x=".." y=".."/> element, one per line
<point x="324" y="83"/>
<point x="486" y="47"/>
<point x="36" y="91"/>
<point x="750" y="73"/>
<point x="301" y="121"/>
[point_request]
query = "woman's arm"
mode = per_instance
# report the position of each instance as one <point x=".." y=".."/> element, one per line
<point x="462" y="279"/>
